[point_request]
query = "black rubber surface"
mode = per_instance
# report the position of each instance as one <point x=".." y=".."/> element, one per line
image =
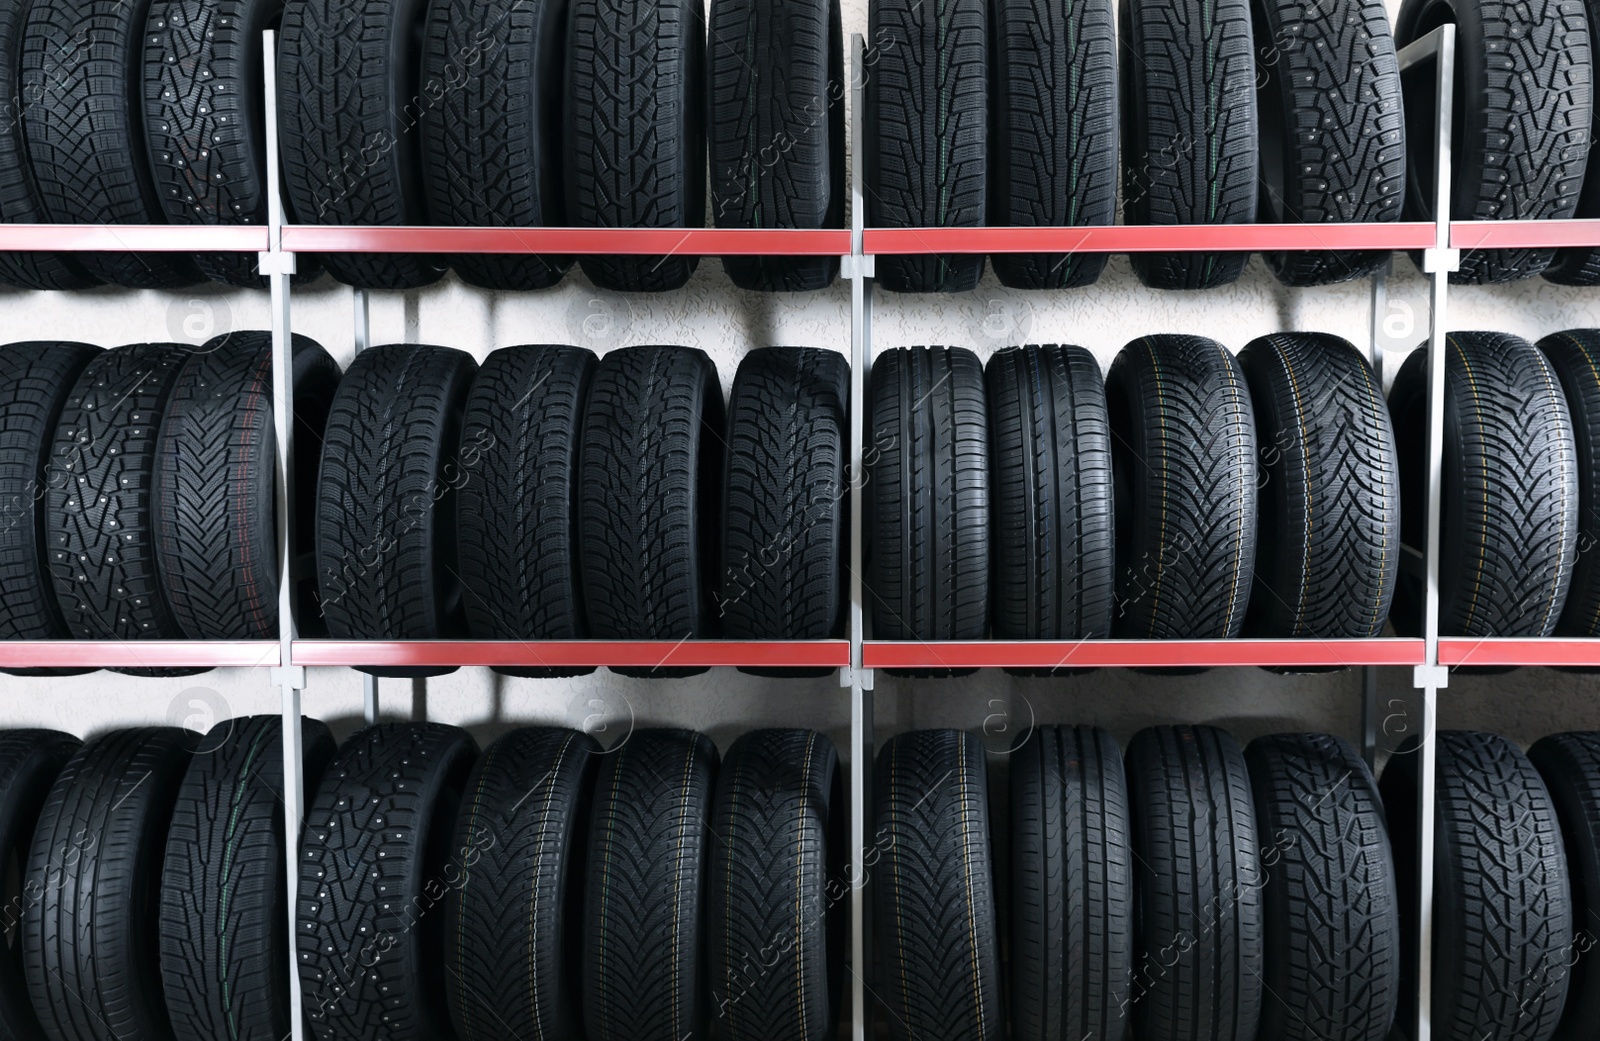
<point x="927" y="119"/>
<point x="1183" y="448"/>
<point x="1521" y="134"/>
<point x="1328" y="549"/>
<point x="99" y="517"/>
<point x="1072" y="900"/>
<point x="1198" y="938"/>
<point x="30" y="762"/>
<point x="89" y="939"/>
<point x="516" y="519"/>
<point x="650" y="468"/>
<point x="1189" y="141"/>
<point x="1502" y="912"/>
<point x="785" y="521"/>
<point x="1329" y="67"/>
<point x="644" y="953"/>
<point x="20" y="201"/>
<point x="776" y="74"/>
<point x="84" y="121"/>
<point x="1053" y="147"/>
<point x="36" y="381"/>
<point x="935" y="925"/>
<point x="777" y="923"/>
<point x="1574" y="355"/>
<point x="1581" y="266"/>
<point x="215" y="517"/>
<point x="1509" y="511"/>
<point x="205" y="122"/>
<point x="376" y="864"/>
<point x="635" y="123"/>
<point x="392" y="464"/>
<point x="223" y="912"/>
<point x="1051" y="448"/>
<point x="1570" y="766"/>
<point x="491" y="144"/>
<point x="513" y="941"/>
<point x="349" y="105"/>
<point x="1331" y="912"/>
<point x="928" y="527"/>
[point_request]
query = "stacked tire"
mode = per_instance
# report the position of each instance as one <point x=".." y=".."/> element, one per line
<point x="138" y="487"/>
<point x="627" y="891"/>
<point x="1131" y="506"/>
<point x="1166" y="897"/>
<point x="550" y="495"/>
<point x="554" y="883"/>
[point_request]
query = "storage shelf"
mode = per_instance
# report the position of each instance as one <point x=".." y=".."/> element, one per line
<point x="1405" y="235"/>
<point x="1152" y="238"/>
<point x="1051" y="654"/>
<point x="133" y="238"/>
<point x="573" y="653"/>
<point x="1549" y="650"/>
<point x="615" y="241"/>
<point x="1524" y="234"/>
<point x="138" y="654"/>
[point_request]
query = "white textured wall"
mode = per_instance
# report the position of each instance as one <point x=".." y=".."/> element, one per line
<point x="725" y="322"/>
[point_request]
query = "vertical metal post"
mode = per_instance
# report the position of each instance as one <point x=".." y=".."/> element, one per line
<point x="1439" y="262"/>
<point x="278" y="266"/>
<point x="859" y="268"/>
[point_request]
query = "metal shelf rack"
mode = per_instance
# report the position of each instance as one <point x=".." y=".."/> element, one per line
<point x="1430" y="656"/>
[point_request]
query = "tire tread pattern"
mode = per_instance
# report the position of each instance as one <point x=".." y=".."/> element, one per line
<point x="1197" y="872"/>
<point x="375" y="865"/>
<point x="935" y="923"/>
<point x="89" y="932"/>
<point x="644" y="902"/>
<point x="1052" y="500"/>
<point x="636" y="124"/>
<point x="927" y="115"/>
<point x="1072" y="901"/>
<point x="1183" y="433"/>
<point x="1054" y="154"/>
<point x="1189" y="151"/>
<point x="928" y="491"/>
<point x="1332" y="920"/>
<point x="1328" y="550"/>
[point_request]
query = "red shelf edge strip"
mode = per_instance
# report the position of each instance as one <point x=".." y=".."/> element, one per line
<point x="139" y="654"/>
<point x="1524" y="234"/>
<point x="575" y="653"/>
<point x="623" y="241"/>
<point x="1549" y="650"/>
<point x="1143" y="238"/>
<point x="1138" y="653"/>
<point x="132" y="238"/>
<point x="146" y="238"/>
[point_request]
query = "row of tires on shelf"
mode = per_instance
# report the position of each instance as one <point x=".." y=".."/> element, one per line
<point x="1198" y="495"/>
<point x="550" y="495"/>
<point x="598" y="113"/>
<point x="653" y="891"/>
<point x="437" y="497"/>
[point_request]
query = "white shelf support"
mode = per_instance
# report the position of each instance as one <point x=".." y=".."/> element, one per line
<point x="1429" y="678"/>
<point x="859" y="269"/>
<point x="279" y="266"/>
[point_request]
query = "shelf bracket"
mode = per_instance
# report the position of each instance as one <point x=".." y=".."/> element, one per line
<point x="853" y="266"/>
<point x="1435" y="676"/>
<point x="275" y="262"/>
<point x="1441" y="259"/>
